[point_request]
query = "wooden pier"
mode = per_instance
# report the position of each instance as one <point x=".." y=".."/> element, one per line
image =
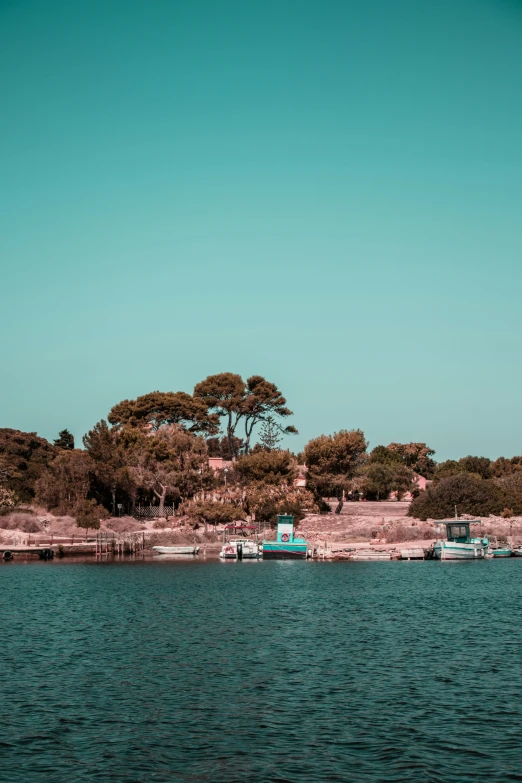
<point x="44" y="552"/>
<point x="106" y="544"/>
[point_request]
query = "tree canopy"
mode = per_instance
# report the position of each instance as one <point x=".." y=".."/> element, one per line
<point x="243" y="403"/>
<point x="269" y="467"/>
<point x="417" y="456"/>
<point x="65" y="440"/>
<point x="157" y="409"/>
<point x="23" y="458"/>
<point x="333" y="460"/>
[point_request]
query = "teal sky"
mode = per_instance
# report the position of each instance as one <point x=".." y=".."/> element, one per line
<point x="324" y="192"/>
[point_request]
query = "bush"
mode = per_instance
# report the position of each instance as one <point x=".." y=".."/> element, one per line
<point x="7" y="500"/>
<point x="469" y="493"/>
<point x="89" y="514"/>
<point x="21" y="521"/>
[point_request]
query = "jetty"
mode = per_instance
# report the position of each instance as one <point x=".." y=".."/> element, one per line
<point x="105" y="544"/>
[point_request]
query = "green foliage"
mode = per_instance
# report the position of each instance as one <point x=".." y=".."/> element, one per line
<point x="469" y="493"/>
<point x="333" y="460"/>
<point x="23" y="458"/>
<point x="269" y="467"/>
<point x="506" y="467"/>
<point x="377" y="480"/>
<point x="270" y="434"/>
<point x="170" y="463"/>
<point x="66" y="482"/>
<point x="7" y="500"/>
<point x="158" y="409"/>
<point x="384" y="456"/>
<point x="65" y="440"/>
<point x="220" y="447"/>
<point x="417" y="456"/>
<point x="230" y="398"/>
<point x="106" y="448"/>
<point x="209" y="512"/>
<point x="448" y="468"/>
<point x="269" y="500"/>
<point x="263" y="401"/>
<point x="479" y="465"/>
<point x="88" y="514"/>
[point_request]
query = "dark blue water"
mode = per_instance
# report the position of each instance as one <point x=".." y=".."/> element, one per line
<point x="275" y="671"/>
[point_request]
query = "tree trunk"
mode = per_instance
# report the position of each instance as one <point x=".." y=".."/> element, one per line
<point x="161" y="498"/>
<point x="113" y="493"/>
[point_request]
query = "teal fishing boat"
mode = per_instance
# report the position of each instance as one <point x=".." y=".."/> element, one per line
<point x="286" y="546"/>
<point x="458" y="544"/>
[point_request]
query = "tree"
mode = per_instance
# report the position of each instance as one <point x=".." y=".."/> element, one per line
<point x="158" y="409"/>
<point x="449" y="467"/>
<point x="66" y="482"/>
<point x="250" y="403"/>
<point x="266" y="501"/>
<point x="220" y="447"/>
<point x="172" y="462"/>
<point x="23" y="458"/>
<point x="333" y="460"/>
<point x="270" y="434"/>
<point x="479" y="465"/>
<point x="417" y="456"/>
<point x="384" y="456"/>
<point x="65" y="440"/>
<point x="88" y="514"/>
<point x="224" y="395"/>
<point x="264" y="401"/>
<point x="377" y="480"/>
<point x="105" y="447"/>
<point x="505" y="467"/>
<point x="269" y="467"/>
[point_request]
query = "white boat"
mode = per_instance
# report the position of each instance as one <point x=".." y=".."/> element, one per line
<point x="176" y="550"/>
<point x="458" y="544"/>
<point x="240" y="549"/>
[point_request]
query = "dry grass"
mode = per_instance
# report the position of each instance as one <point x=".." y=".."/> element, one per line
<point x="175" y="538"/>
<point x="21" y="520"/>
<point x="123" y="525"/>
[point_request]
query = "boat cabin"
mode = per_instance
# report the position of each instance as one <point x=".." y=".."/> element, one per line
<point x="458" y="531"/>
<point x="285" y="530"/>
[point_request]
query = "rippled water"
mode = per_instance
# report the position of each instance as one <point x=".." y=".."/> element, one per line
<point x="274" y="671"/>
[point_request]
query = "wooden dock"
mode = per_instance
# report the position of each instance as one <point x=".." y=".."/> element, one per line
<point x="106" y="544"/>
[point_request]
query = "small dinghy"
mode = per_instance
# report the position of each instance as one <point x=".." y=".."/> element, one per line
<point x="176" y="550"/>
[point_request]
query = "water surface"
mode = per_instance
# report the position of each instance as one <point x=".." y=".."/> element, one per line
<point x="138" y="672"/>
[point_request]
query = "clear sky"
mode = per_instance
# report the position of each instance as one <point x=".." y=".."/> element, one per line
<point x="324" y="192"/>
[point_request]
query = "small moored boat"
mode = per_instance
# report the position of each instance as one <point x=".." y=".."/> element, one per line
<point x="500" y="548"/>
<point x="458" y="544"/>
<point x="240" y="549"/>
<point x="176" y="550"/>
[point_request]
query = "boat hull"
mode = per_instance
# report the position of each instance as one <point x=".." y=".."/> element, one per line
<point x="451" y="550"/>
<point x="249" y="550"/>
<point x="176" y="550"/>
<point x="501" y="552"/>
<point x="277" y="550"/>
